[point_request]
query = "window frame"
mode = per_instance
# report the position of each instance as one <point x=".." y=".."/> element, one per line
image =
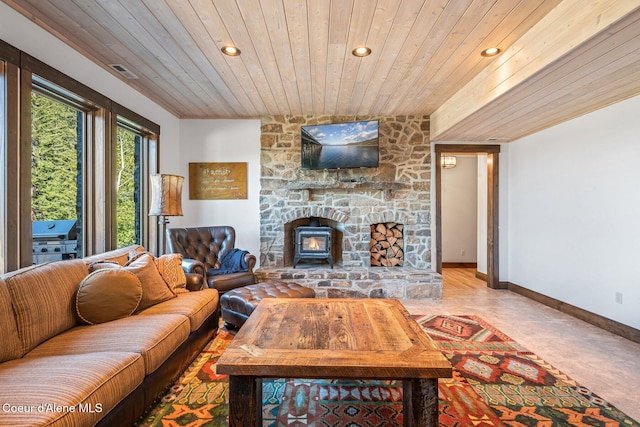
<point x="12" y="226"/>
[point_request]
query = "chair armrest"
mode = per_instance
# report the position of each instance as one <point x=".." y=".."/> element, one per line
<point x="195" y="281"/>
<point x="196" y="274"/>
<point x="193" y="266"/>
<point x="250" y="260"/>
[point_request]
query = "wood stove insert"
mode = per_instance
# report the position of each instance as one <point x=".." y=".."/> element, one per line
<point x="313" y="242"/>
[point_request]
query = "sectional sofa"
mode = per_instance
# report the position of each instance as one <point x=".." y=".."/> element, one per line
<point x="57" y="370"/>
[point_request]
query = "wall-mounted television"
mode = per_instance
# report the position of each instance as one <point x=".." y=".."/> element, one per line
<point x="340" y="145"/>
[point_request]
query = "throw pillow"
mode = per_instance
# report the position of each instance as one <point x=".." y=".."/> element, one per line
<point x="154" y="288"/>
<point x="106" y="295"/>
<point x="170" y="268"/>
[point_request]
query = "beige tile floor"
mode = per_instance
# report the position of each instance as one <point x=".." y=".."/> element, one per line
<point x="605" y="363"/>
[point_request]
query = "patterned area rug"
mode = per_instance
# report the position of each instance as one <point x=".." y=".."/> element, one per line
<point x="496" y="382"/>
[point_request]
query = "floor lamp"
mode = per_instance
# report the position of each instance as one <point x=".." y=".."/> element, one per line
<point x="166" y="201"/>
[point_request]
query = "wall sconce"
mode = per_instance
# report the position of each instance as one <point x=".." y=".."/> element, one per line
<point x="448" y="162"/>
<point x="166" y="200"/>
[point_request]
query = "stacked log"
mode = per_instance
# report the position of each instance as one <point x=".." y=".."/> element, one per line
<point x="387" y="245"/>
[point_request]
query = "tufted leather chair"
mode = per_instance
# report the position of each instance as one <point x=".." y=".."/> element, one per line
<point x="203" y="248"/>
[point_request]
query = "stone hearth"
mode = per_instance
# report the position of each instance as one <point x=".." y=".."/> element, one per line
<point x="360" y="282"/>
<point x="349" y="201"/>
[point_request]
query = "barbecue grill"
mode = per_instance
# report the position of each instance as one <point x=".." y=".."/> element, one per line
<point x="54" y="240"/>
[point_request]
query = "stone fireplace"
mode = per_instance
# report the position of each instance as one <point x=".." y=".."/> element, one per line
<point x="351" y="202"/>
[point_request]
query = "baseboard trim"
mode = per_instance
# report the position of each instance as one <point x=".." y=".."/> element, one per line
<point x="459" y="265"/>
<point x="609" y="325"/>
<point x="481" y="276"/>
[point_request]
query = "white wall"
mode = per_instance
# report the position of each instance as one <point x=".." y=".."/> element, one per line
<point x="23" y="34"/>
<point x="223" y="141"/>
<point x="574" y="212"/>
<point x="459" y="211"/>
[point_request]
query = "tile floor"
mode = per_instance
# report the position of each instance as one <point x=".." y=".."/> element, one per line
<point x="607" y="364"/>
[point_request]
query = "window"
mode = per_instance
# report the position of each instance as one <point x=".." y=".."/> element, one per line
<point x="128" y="180"/>
<point x="134" y="154"/>
<point x="57" y="141"/>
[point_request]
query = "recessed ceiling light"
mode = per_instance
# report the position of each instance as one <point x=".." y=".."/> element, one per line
<point x="492" y="51"/>
<point x="361" y="51"/>
<point x="231" y="50"/>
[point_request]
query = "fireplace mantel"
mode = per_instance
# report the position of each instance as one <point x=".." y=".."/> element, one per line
<point x="347" y="185"/>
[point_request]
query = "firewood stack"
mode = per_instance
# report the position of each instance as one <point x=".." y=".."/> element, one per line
<point x="387" y="245"/>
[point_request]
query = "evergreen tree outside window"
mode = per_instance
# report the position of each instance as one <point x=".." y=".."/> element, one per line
<point x="54" y="188"/>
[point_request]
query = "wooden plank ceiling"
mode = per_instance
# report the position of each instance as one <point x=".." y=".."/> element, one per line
<point x="296" y="57"/>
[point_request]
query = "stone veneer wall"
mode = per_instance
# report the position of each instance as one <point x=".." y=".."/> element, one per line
<point x="397" y="191"/>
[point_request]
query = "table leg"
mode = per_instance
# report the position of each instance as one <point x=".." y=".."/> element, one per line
<point x="245" y="401"/>
<point x="420" y="402"/>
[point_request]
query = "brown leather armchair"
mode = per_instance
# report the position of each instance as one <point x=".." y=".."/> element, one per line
<point x="211" y="252"/>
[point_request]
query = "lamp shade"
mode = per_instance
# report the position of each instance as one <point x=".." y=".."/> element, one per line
<point x="166" y="195"/>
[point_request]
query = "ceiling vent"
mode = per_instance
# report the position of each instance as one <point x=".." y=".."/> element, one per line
<point x="498" y="139"/>
<point x="123" y="71"/>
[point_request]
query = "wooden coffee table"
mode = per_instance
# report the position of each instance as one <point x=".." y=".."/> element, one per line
<point x="333" y="339"/>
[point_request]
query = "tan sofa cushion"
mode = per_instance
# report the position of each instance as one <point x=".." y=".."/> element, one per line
<point x="107" y="295"/>
<point x="68" y="381"/>
<point x="197" y="306"/>
<point x="11" y="347"/>
<point x="154" y="337"/>
<point x="42" y="298"/>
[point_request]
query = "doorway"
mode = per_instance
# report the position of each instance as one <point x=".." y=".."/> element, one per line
<point x="492" y="152"/>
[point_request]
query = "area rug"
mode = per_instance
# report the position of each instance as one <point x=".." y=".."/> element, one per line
<point x="496" y="382"/>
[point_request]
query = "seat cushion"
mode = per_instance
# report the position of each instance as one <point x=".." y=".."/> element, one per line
<point x="70" y="381"/>
<point x="39" y="315"/>
<point x="197" y="306"/>
<point x="154" y="337"/>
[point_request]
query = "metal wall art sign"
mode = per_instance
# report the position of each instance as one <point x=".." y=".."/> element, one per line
<point x="217" y="181"/>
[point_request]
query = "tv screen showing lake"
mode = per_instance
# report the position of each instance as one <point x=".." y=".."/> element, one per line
<point x="340" y="146"/>
<point x="343" y="157"/>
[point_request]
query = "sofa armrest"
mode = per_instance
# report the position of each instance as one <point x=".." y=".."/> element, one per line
<point x="250" y="260"/>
